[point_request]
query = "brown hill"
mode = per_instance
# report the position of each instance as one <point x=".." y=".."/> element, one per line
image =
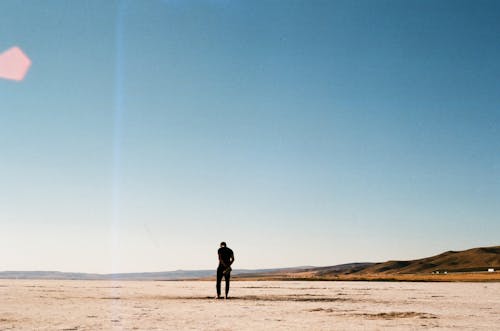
<point x="468" y="265"/>
<point x="471" y="260"/>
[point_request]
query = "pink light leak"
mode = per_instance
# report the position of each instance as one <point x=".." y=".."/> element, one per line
<point x="14" y="64"/>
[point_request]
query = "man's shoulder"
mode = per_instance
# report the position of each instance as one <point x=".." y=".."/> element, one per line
<point x="225" y="249"/>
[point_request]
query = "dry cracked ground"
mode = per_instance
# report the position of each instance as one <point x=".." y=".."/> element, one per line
<point x="260" y="305"/>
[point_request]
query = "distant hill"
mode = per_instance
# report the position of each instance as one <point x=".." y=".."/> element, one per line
<point x="164" y="275"/>
<point x="306" y="272"/>
<point x="347" y="268"/>
<point x="471" y="260"/>
<point x="475" y="260"/>
<point x="453" y="262"/>
<point x="167" y="275"/>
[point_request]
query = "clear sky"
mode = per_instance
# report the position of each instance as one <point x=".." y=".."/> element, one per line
<point x="300" y="132"/>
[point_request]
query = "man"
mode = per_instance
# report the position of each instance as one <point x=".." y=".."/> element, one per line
<point x="226" y="258"/>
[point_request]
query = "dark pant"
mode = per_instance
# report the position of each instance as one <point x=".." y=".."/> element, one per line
<point x="226" y="276"/>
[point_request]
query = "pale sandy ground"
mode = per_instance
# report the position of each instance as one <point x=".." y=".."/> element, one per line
<point x="105" y="305"/>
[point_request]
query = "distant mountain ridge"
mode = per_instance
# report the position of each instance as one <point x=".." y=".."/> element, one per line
<point x="472" y="260"/>
<point x="167" y="275"/>
<point x="162" y="275"/>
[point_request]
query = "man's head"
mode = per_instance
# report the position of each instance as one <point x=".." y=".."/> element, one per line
<point x="223" y="244"/>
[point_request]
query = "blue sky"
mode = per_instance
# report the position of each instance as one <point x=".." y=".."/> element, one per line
<point x="300" y="132"/>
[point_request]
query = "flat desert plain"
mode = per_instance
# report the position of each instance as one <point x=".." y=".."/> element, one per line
<point x="258" y="305"/>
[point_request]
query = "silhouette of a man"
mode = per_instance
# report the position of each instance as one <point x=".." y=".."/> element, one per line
<point x="226" y="258"/>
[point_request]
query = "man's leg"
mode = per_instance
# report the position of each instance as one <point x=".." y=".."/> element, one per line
<point x="227" y="277"/>
<point x="219" y="280"/>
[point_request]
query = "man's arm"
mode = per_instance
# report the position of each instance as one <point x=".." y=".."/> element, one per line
<point x="221" y="261"/>
<point x="231" y="259"/>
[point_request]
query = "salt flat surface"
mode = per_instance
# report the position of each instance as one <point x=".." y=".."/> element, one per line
<point x="189" y="305"/>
